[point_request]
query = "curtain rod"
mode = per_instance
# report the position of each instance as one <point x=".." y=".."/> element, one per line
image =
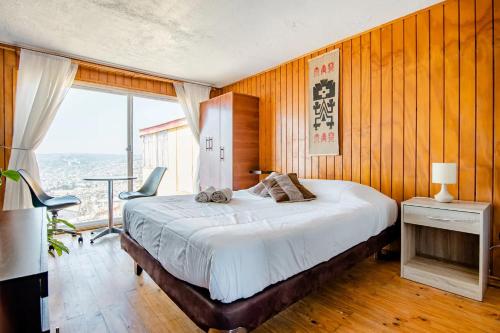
<point x="89" y="62"/>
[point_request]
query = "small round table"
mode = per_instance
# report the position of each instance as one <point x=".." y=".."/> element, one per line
<point x="109" y="229"/>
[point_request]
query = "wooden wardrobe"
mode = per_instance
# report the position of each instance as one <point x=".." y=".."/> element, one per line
<point x="229" y="141"/>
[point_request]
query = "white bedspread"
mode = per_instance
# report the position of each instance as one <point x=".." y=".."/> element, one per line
<point x="236" y="250"/>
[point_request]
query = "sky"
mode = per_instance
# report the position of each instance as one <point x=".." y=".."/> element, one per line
<point x="95" y="122"/>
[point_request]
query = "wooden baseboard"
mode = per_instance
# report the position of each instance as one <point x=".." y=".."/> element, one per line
<point x="494" y="281"/>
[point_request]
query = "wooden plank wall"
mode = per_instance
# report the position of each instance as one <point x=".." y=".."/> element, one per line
<point x="8" y="77"/>
<point x="109" y="77"/>
<point x="424" y="88"/>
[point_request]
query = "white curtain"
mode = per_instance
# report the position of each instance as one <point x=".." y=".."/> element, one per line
<point x="190" y="96"/>
<point x="42" y="84"/>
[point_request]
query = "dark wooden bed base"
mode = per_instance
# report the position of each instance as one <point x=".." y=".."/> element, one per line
<point x="250" y="312"/>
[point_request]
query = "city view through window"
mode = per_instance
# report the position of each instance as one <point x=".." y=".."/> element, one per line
<point x="89" y="138"/>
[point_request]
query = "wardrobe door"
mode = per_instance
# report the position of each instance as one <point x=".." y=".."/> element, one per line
<point x="226" y="141"/>
<point x="209" y="143"/>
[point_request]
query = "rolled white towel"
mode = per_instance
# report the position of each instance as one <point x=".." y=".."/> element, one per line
<point x="222" y="196"/>
<point x="205" y="196"/>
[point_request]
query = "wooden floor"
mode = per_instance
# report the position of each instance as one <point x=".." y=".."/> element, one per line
<point x="94" y="289"/>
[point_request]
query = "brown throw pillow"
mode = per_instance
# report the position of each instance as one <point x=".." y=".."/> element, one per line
<point x="275" y="190"/>
<point x="259" y="189"/>
<point x="283" y="189"/>
<point x="305" y="192"/>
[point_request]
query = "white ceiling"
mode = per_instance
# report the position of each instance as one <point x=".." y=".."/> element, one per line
<point x="210" y="41"/>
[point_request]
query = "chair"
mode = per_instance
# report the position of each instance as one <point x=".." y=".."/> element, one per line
<point x="53" y="204"/>
<point x="149" y="188"/>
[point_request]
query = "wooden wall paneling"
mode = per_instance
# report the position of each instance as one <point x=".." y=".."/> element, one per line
<point x="330" y="159"/>
<point x="3" y="162"/>
<point x="10" y="79"/>
<point x="322" y="172"/>
<point x="2" y="108"/>
<point x="339" y="158"/>
<point x="375" y="97"/>
<point x="302" y="118"/>
<point x="283" y="97"/>
<point x="346" y="110"/>
<point x="102" y="76"/>
<point x="295" y="116"/>
<point x="386" y="110"/>
<point x="289" y="117"/>
<point x="422" y="155"/>
<point x="163" y="90"/>
<point x="308" y="169"/>
<point x="365" y="109"/>
<point x="278" y="134"/>
<point x="314" y="159"/>
<point x="356" y="110"/>
<point x="397" y="110"/>
<point x="436" y="86"/>
<point x="410" y="115"/>
<point x="272" y="115"/>
<point x="268" y="131"/>
<point x="484" y="100"/>
<point x="112" y="81"/>
<point x="467" y="88"/>
<point x="496" y="139"/>
<point x="259" y="93"/>
<point x="451" y="87"/>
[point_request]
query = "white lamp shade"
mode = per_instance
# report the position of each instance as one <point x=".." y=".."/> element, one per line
<point x="444" y="173"/>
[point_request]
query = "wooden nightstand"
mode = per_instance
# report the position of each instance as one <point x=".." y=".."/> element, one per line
<point x="446" y="245"/>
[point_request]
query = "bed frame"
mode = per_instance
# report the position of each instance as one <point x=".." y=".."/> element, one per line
<point x="247" y="314"/>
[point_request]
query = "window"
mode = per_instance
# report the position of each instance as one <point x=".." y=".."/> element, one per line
<point x="106" y="133"/>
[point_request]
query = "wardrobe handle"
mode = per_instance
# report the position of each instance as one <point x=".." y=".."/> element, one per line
<point x="221" y="153"/>
<point x="206" y="144"/>
<point x="211" y="143"/>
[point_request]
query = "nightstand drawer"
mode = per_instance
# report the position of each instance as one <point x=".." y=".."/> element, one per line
<point x="443" y="218"/>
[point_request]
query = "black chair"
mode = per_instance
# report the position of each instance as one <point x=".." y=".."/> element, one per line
<point x="53" y="204"/>
<point x="149" y="188"/>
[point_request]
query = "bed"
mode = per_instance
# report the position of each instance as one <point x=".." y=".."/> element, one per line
<point x="233" y="266"/>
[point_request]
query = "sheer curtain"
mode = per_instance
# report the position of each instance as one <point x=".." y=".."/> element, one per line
<point x="190" y="96"/>
<point x="43" y="81"/>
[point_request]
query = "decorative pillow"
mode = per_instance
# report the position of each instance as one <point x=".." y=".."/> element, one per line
<point x="283" y="189"/>
<point x="308" y="195"/>
<point x="259" y="189"/>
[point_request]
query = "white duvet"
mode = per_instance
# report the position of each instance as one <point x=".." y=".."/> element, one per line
<point x="236" y="250"/>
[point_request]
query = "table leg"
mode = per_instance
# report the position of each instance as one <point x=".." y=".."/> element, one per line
<point x="110" y="204"/>
<point x="110" y="229"/>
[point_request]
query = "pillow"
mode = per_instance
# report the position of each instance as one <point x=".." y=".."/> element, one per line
<point x="308" y="195"/>
<point x="283" y="188"/>
<point x="259" y="189"/>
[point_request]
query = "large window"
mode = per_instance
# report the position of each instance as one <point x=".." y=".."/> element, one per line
<point x="103" y="133"/>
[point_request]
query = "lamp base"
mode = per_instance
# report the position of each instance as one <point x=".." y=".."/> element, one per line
<point x="444" y="195"/>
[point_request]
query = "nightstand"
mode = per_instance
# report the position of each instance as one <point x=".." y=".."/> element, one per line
<point x="446" y="245"/>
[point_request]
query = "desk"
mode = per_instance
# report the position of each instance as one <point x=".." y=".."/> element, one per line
<point x="109" y="229"/>
<point x="23" y="271"/>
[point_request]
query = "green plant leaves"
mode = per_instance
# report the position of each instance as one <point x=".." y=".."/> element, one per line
<point x="64" y="222"/>
<point x="11" y="174"/>
<point x="58" y="246"/>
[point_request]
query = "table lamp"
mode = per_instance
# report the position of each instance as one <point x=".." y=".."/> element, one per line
<point x="444" y="174"/>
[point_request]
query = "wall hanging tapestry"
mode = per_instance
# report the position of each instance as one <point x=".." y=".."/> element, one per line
<point x="323" y="104"/>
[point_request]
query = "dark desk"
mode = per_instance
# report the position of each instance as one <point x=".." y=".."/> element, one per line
<point x="23" y="271"/>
